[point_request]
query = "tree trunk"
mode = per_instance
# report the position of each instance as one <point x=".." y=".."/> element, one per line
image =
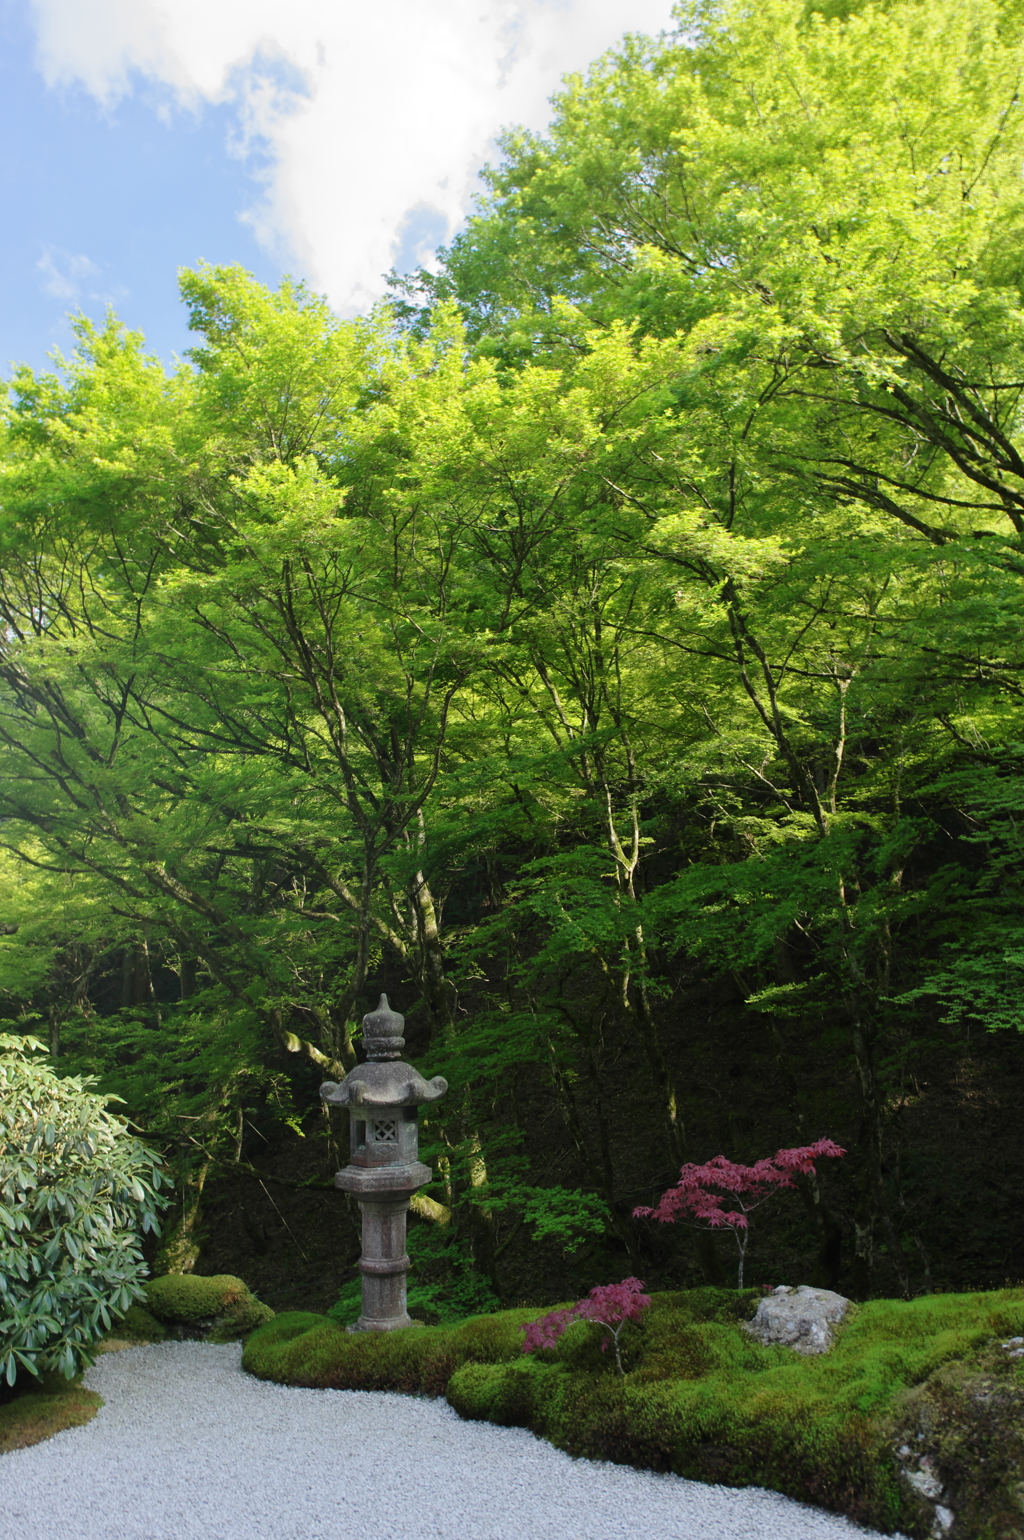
<point x="179" y="1250"/>
<point x="872" y="1207"/>
<point x="429" y="954"/>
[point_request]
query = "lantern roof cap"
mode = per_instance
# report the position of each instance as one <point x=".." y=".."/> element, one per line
<point x="392" y="1084"/>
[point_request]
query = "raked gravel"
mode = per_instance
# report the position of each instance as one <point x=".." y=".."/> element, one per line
<point x="189" y="1447"/>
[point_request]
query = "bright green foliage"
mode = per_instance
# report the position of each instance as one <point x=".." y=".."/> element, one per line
<point x="75" y="1191"/>
<point x="802" y="225"/>
<point x="222" y="1305"/>
<point x="445" y="1284"/>
<point x="700" y="1397"/>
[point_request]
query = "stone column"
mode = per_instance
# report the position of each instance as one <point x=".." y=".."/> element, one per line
<point x="384" y="1262"/>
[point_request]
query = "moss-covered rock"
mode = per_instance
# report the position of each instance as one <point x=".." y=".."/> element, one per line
<point x="701" y="1398"/>
<point x="220" y="1308"/>
<point x="959" y="1441"/>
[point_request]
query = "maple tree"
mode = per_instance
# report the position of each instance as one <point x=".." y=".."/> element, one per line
<point x="702" y="1190"/>
<point x="610" y="1304"/>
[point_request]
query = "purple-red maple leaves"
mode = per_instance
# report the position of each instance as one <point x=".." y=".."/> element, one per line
<point x="702" y="1190"/>
<point x="610" y="1304"/>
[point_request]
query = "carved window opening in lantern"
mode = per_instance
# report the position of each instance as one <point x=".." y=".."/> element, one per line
<point x="385" y="1132"/>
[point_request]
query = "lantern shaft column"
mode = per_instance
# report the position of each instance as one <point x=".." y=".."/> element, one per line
<point x="384" y="1262"/>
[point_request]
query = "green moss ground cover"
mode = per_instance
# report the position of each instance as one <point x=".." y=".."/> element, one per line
<point x="704" y="1400"/>
<point x="43" y="1405"/>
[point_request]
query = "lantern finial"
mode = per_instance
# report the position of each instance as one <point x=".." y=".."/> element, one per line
<point x="382" y="1032"/>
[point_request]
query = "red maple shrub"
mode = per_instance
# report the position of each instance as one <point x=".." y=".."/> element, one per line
<point x="702" y="1191"/>
<point x="610" y="1304"/>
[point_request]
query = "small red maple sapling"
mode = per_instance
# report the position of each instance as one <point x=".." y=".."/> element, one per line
<point x="702" y="1190"/>
<point x="610" y="1304"/>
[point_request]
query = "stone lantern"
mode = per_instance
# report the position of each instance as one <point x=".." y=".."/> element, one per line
<point x="384" y="1168"/>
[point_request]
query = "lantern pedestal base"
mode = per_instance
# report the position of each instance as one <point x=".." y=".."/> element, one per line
<point x="368" y="1323"/>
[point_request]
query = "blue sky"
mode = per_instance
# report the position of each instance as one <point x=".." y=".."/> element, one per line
<point x="318" y="137"/>
<point x="103" y="206"/>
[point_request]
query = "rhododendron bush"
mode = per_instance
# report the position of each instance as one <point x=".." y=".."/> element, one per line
<point x="77" y="1192"/>
<point x="703" y="1191"/>
<point x="610" y="1304"/>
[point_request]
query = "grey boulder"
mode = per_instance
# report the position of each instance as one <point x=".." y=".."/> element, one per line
<point x="800" y="1318"/>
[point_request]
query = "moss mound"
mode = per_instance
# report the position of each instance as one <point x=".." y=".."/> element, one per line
<point x="298" y="1348"/>
<point x="703" y="1399"/>
<point x="963" y="1430"/>
<point x="220" y="1308"/>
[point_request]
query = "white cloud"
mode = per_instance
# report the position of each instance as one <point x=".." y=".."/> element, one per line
<point x="64" y="273"/>
<point x="373" y="116"/>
